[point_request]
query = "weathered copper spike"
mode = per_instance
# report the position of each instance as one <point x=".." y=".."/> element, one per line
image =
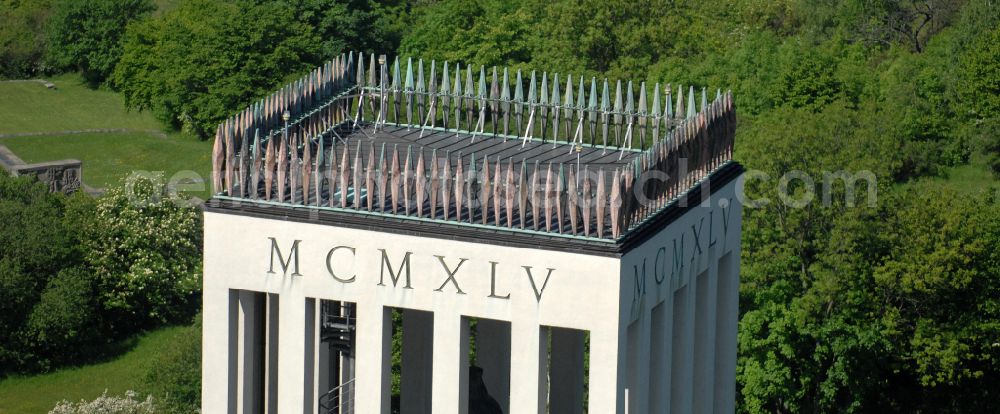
<point x="282" y="169"/>
<point x="407" y="181"/>
<point x="218" y="160"/>
<point x="230" y="149"/>
<point x="600" y="203"/>
<point x="555" y="112"/>
<point x="616" y="204"/>
<point x="421" y="190"/>
<point x="331" y="174"/>
<point x="535" y="202"/>
<point x="446" y="186"/>
<point x="269" y="164"/>
<point x="472" y="183"/>
<point x="523" y="191"/>
<point x="497" y="192"/>
<point x="306" y="170"/>
<point x="560" y="197"/>
<point x="318" y="174"/>
<point x="435" y="185"/>
<point x="370" y="177"/>
<point x="357" y="170"/>
<point x="459" y="188"/>
<point x="494" y="96"/>
<point x="485" y="190"/>
<point x="509" y="193"/>
<point x="549" y="192"/>
<point x="456" y="91"/>
<point x="572" y="200"/>
<point x="294" y="168"/>
<point x="383" y="177"/>
<point x="395" y="180"/>
<point x="345" y="176"/>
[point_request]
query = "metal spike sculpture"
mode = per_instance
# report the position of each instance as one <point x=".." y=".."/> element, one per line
<point x="297" y="144"/>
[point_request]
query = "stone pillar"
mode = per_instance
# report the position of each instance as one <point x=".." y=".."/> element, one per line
<point x="450" y="392"/>
<point x="416" y="377"/>
<point x="373" y="359"/>
<point x="295" y="366"/>
<point x="660" y="355"/>
<point x="606" y="372"/>
<point x="566" y="388"/>
<point x="219" y="337"/>
<point x="683" y="348"/>
<point x="727" y="319"/>
<point x="528" y="374"/>
<point x="493" y="356"/>
<point x="704" y="349"/>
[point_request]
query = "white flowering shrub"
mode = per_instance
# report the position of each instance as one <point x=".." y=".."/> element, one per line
<point x="127" y="404"/>
<point x="146" y="251"/>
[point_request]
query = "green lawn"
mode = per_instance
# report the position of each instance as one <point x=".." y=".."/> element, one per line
<point x="107" y="157"/>
<point x="969" y="178"/>
<point x="39" y="394"/>
<point x="28" y="107"/>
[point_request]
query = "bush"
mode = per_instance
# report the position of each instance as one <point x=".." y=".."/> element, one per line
<point x="175" y="375"/>
<point x="145" y="251"/>
<point x="104" y="404"/>
<point x="65" y="319"/>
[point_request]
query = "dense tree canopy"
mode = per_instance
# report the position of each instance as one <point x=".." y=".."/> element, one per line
<point x="200" y="61"/>
<point x="22" y="37"/>
<point x="86" y="35"/>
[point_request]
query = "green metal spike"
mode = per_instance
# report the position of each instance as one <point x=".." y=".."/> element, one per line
<point x="691" y="110"/>
<point x="408" y="85"/>
<point x="605" y="97"/>
<point x="395" y="75"/>
<point x="469" y="86"/>
<point x="482" y="83"/>
<point x="544" y="99"/>
<point x="704" y="99"/>
<point x="629" y="100"/>
<point x="656" y="99"/>
<point x="679" y="111"/>
<point x="505" y="90"/>
<point x="668" y="111"/>
<point x="518" y="88"/>
<point x="420" y="87"/>
<point x="532" y="98"/>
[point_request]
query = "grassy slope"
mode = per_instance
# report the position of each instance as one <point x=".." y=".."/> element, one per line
<point x="28" y="107"/>
<point x="38" y="394"/>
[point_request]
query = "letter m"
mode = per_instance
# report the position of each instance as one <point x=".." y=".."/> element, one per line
<point x="282" y="261"/>
<point x="394" y="276"/>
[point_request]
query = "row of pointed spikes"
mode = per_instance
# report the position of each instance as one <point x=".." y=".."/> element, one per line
<point x="345" y="72"/>
<point x="283" y="173"/>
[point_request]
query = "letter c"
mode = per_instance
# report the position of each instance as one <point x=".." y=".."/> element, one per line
<point x="329" y="268"/>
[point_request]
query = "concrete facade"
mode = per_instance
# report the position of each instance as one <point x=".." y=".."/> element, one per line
<point x="659" y="318"/>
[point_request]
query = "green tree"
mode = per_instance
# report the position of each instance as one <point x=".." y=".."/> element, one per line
<point x="145" y="251"/>
<point x="199" y="62"/>
<point x="37" y="240"/>
<point x="86" y="35"/>
<point x="22" y="37"/>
